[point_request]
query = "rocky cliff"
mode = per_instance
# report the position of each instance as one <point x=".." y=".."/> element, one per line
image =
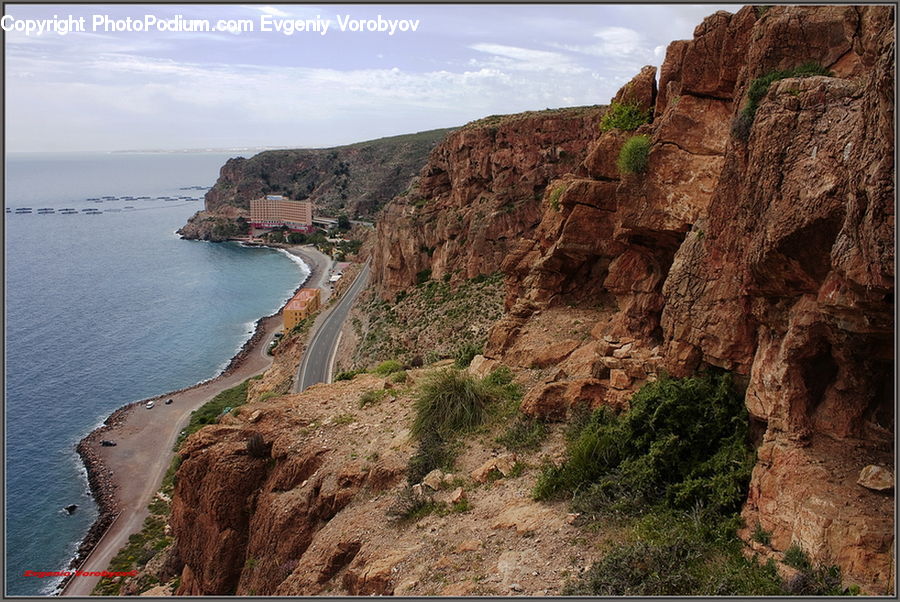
<point x="357" y="179"/>
<point x="768" y="252"/>
<point x="479" y="191"/>
<point x="758" y="241"/>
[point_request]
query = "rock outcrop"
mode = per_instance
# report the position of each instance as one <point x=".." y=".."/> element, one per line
<point x="480" y="190"/>
<point x="357" y="179"/>
<point x="771" y="257"/>
<point x="313" y="511"/>
<point x="767" y="252"/>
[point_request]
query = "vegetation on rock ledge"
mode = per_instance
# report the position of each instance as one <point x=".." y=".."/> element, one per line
<point x="634" y="154"/>
<point x="625" y="117"/>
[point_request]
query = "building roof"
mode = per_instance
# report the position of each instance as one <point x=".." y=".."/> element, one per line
<point x="275" y="197"/>
<point x="302" y="298"/>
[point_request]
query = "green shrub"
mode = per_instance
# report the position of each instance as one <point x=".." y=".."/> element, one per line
<point x="525" y="434"/>
<point x="554" y="197"/>
<point x="409" y="507"/>
<point x="348" y="374"/>
<point x="371" y="397"/>
<point x="399" y="377"/>
<point x="633" y="157"/>
<point x="461" y="506"/>
<point x="683" y="441"/>
<point x="640" y="569"/>
<point x="795" y="556"/>
<point x="343" y="419"/>
<point x="760" y="535"/>
<point x="625" y="117"/>
<point x="423" y="276"/>
<point x="433" y="452"/>
<point x="674" y="552"/>
<point x="465" y="353"/>
<point x="758" y="88"/>
<point x="388" y="367"/>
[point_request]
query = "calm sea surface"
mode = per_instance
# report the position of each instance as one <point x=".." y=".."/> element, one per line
<point x="106" y="309"/>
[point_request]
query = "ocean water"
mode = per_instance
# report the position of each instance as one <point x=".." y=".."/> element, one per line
<point x="102" y="310"/>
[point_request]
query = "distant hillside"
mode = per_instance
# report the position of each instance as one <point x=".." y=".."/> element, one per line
<point x="357" y="179"/>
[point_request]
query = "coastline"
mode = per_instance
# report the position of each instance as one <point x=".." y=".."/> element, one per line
<point x="102" y="480"/>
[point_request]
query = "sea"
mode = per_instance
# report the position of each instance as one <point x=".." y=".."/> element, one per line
<point x="104" y="307"/>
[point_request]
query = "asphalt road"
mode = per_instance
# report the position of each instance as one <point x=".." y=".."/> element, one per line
<point x="316" y="363"/>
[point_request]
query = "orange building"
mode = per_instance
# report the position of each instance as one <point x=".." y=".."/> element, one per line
<point x="275" y="211"/>
<point x="301" y="305"/>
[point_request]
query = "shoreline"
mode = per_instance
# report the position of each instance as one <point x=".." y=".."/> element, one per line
<point x="102" y="480"/>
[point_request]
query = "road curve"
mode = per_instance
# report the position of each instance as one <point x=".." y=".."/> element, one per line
<point x="317" y="359"/>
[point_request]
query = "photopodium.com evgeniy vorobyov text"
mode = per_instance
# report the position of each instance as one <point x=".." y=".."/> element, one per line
<point x="99" y="23"/>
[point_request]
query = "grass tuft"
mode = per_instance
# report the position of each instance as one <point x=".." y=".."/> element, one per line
<point x="388" y="367"/>
<point x="451" y="402"/>
<point x="634" y="155"/>
<point x="525" y="434"/>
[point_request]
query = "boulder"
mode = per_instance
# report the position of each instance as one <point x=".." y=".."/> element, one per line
<point x="876" y="478"/>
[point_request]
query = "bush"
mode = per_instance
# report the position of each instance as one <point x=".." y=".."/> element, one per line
<point x="625" y="117"/>
<point x="673" y="552"/>
<point x="423" y="276"/>
<point x="371" y="397"/>
<point x="450" y="402"/>
<point x="633" y="157"/>
<point x="795" y="556"/>
<point x="758" y="88"/>
<point x="683" y="441"/>
<point x="760" y="535"/>
<point x="399" y="377"/>
<point x="525" y="434"/>
<point x="640" y="569"/>
<point x="554" y="197"/>
<point x="465" y="353"/>
<point x="348" y="374"/>
<point x="409" y="507"/>
<point x="388" y="367"/>
<point x="432" y="453"/>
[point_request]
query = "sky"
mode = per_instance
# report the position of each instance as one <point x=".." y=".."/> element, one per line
<point x="106" y="90"/>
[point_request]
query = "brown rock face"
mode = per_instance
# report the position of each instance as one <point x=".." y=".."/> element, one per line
<point x="772" y="257"/>
<point x="640" y="91"/>
<point x="479" y="191"/>
<point x="244" y="524"/>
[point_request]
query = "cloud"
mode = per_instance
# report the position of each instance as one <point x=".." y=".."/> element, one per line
<point x="526" y="59"/>
<point x="271" y="10"/>
<point x="195" y="102"/>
